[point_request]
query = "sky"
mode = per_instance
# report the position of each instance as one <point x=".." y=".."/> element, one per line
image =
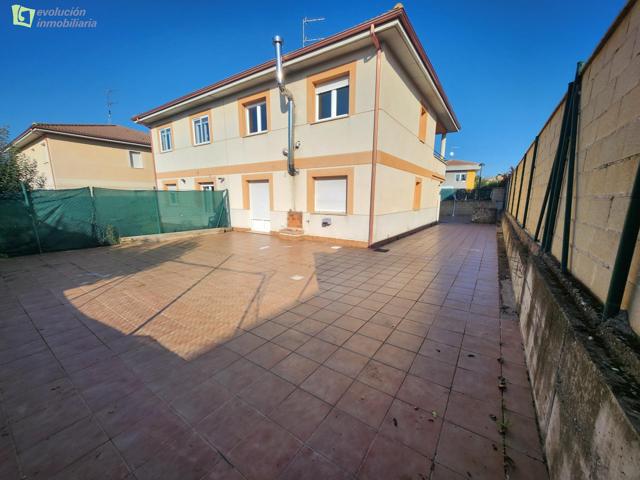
<point x="504" y="64"/>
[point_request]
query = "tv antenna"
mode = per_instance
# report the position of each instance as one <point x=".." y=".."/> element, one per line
<point x="306" y="20"/>
<point x="110" y="102"/>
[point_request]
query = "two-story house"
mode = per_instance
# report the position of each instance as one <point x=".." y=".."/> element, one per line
<point x="367" y="107"/>
<point x="461" y="174"/>
<point x="89" y="155"/>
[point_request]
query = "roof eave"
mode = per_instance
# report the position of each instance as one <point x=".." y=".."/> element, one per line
<point x="23" y="139"/>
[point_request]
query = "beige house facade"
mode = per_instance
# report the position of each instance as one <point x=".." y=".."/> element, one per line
<point x="368" y="107"/>
<point x="82" y="155"/>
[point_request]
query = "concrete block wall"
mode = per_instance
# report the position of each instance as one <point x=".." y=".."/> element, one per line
<point x="608" y="155"/>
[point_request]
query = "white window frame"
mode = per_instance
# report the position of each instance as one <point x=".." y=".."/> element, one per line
<point x="196" y="124"/>
<point x="259" y="105"/>
<point x="204" y="185"/>
<point x="169" y="137"/>
<point x="461" y="177"/>
<point x="132" y="163"/>
<point x="317" y="208"/>
<point x="331" y="86"/>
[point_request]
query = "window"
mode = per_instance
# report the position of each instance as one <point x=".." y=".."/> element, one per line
<point x="422" y="125"/>
<point x="256" y="115"/>
<point x="166" y="141"/>
<point x="332" y="99"/>
<point x="135" y="160"/>
<point x="207" y="186"/>
<point x="331" y="195"/>
<point x="201" y="134"/>
<point x="461" y="177"/>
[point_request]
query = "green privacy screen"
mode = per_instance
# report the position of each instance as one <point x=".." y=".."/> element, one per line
<point x="53" y="220"/>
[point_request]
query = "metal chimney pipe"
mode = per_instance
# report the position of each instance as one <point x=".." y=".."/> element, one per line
<point x="277" y="42"/>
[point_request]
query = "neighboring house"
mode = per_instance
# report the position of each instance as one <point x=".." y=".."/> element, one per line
<point x="461" y="174"/>
<point x="365" y="126"/>
<point x="83" y="155"/>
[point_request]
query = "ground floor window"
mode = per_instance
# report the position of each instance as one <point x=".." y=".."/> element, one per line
<point x="331" y="194"/>
<point x="461" y="177"/>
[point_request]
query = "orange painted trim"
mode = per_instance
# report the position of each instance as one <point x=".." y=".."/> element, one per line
<point x="246" y="197"/>
<point x="392" y="161"/>
<point x="329" y="173"/>
<point x="166" y="183"/>
<point x="206" y="113"/>
<point x="173" y="138"/>
<point x="326" y="76"/>
<point x="417" y="194"/>
<point x="356" y="158"/>
<point x="200" y="180"/>
<point x="242" y="116"/>
<point x="422" y="124"/>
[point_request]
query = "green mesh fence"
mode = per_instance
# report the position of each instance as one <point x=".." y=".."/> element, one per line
<point x="53" y="220"/>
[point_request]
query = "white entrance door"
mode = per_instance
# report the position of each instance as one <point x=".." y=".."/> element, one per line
<point x="260" y="206"/>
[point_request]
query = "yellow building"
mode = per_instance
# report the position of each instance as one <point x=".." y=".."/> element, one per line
<point x="82" y="155"/>
<point x="461" y="174"/>
<point x="366" y="106"/>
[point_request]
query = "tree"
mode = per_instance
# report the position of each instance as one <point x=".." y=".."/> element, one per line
<point x="16" y="168"/>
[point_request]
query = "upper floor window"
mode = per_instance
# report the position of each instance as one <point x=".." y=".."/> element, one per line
<point x="135" y="160"/>
<point x="201" y="133"/>
<point x="256" y="117"/>
<point x="332" y="99"/>
<point x="166" y="139"/>
<point x="422" y="125"/>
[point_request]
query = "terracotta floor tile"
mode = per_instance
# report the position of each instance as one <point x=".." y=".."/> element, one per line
<point x="103" y="462"/>
<point x="310" y="326"/>
<point x="343" y="439"/>
<point x="327" y="384"/>
<point x="326" y="316"/>
<point x="405" y="340"/>
<point x="339" y="307"/>
<point x="365" y="403"/>
<point x="433" y="370"/>
<point x="363" y="345"/>
<point x="268" y="330"/>
<point x="300" y="413"/>
<point x="349" y="323"/>
<point x="518" y="399"/>
<point x="239" y="375"/>
<point x="304" y="309"/>
<point x="229" y="424"/>
<point x="266" y="452"/>
<point x="291" y="339"/>
<point x="522" y="435"/>
<point x="382" y="377"/>
<point x="200" y="401"/>
<point x="424" y="394"/>
<point x="347" y="362"/>
<point x="245" y="343"/>
<point x="267" y="392"/>
<point x="396" y="357"/>
<point x="391" y="459"/>
<point x="288" y="319"/>
<point x="268" y="355"/>
<point x="441" y="472"/>
<point x="386" y="320"/>
<point x="412" y="426"/>
<point x="414" y="328"/>
<point x="447" y="337"/>
<point x="312" y="466"/>
<point x="477" y="385"/>
<point x="376" y="331"/>
<point x="474" y="415"/>
<point x="468" y="453"/>
<point x="477" y="362"/>
<point x="334" y="335"/>
<point x="317" y="350"/>
<point x="295" y="368"/>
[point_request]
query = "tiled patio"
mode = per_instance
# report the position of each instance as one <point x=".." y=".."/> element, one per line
<point x="243" y="356"/>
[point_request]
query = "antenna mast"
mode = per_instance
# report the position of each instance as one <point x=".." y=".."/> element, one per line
<point x="110" y="103"/>
<point x="306" y="20"/>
